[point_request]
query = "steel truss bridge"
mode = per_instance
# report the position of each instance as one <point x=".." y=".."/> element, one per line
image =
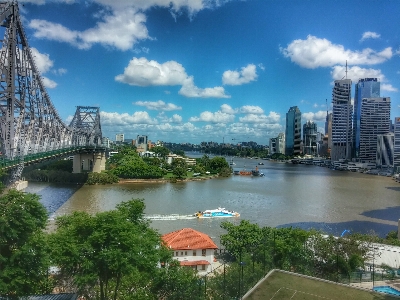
<point x="30" y="127"/>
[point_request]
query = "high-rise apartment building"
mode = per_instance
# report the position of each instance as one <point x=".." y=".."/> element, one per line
<point x="365" y="88"/>
<point x="385" y="150"/>
<point x="396" y="154"/>
<point x="277" y="144"/>
<point x="293" y="131"/>
<point x="119" y="138"/>
<point x="141" y="143"/>
<point x="342" y="113"/>
<point x="310" y="138"/>
<point x="375" y="119"/>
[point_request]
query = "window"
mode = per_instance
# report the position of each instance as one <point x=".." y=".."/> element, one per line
<point x="194" y="252"/>
<point x="203" y="267"/>
<point x="181" y="252"/>
<point x="203" y="252"/>
<point x="176" y="253"/>
<point x="185" y="252"/>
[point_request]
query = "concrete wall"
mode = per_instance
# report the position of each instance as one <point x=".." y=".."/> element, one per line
<point x="89" y="162"/>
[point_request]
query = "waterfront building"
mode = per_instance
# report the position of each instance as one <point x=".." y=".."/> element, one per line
<point x="365" y="88"/>
<point x="141" y="143"/>
<point x="375" y="119"/>
<point x="310" y="138"/>
<point x="192" y="249"/>
<point x="119" y="138"/>
<point x="277" y="144"/>
<point x="396" y="152"/>
<point x="385" y="150"/>
<point x="342" y="113"/>
<point x="293" y="131"/>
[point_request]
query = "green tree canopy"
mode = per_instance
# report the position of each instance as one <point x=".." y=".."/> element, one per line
<point x="109" y="253"/>
<point x="23" y="254"/>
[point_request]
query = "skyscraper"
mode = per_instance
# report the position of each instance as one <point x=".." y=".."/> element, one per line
<point x="374" y="120"/>
<point x="342" y="113"/>
<point x="365" y="88"/>
<point x="310" y="138"/>
<point x="293" y="131"/>
<point x="396" y="155"/>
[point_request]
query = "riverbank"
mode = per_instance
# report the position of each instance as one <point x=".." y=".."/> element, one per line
<point x="163" y="180"/>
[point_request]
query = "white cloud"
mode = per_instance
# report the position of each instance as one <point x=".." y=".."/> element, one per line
<point x="125" y="119"/>
<point x="272" y="118"/>
<point x="42" y="61"/>
<point x="190" y="90"/>
<point x="315" y="52"/>
<point x="246" y="75"/>
<point x="121" y="29"/>
<point x="370" y="35"/>
<point x="388" y="87"/>
<point x="317" y="116"/>
<point x="216" y="117"/>
<point x="355" y="73"/>
<point x="165" y="119"/>
<point x="250" y="109"/>
<point x="142" y="72"/>
<point x="227" y="109"/>
<point x="158" y="105"/>
<point x="48" y="83"/>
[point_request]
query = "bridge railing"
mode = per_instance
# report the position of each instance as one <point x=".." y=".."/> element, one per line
<point x="6" y="163"/>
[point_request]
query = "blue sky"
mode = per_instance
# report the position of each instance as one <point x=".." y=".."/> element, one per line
<point x="209" y="70"/>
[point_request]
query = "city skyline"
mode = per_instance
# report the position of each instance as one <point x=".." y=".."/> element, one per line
<point x="209" y="70"/>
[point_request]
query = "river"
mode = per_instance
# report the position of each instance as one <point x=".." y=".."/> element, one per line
<point x="303" y="196"/>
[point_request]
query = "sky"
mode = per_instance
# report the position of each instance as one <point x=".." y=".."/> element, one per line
<point x="188" y="71"/>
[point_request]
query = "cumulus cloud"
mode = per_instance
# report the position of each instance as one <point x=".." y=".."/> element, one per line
<point x="165" y="119"/>
<point x="121" y="29"/>
<point x="317" y="116"/>
<point x="216" y="117"/>
<point x="355" y="73"/>
<point x="158" y="105"/>
<point x="227" y="109"/>
<point x="370" y="35"/>
<point x="143" y="72"/>
<point x="245" y="75"/>
<point x="273" y="117"/>
<point x="316" y="52"/>
<point x="125" y="119"/>
<point x="250" y="109"/>
<point x="190" y="90"/>
<point x="44" y="64"/>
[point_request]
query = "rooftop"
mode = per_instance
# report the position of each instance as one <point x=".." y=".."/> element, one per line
<point x="188" y="238"/>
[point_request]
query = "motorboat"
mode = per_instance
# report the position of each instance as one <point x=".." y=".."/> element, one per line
<point x="219" y="212"/>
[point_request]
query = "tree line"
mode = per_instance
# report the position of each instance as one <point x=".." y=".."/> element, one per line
<point x="117" y="255"/>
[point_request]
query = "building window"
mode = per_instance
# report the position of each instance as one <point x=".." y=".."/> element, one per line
<point x="203" y="252"/>
<point x="203" y="267"/>
<point x="185" y="252"/>
<point x="194" y="252"/>
<point x="181" y="252"/>
<point x="176" y="253"/>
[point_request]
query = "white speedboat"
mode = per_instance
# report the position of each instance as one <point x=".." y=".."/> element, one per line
<point x="219" y="212"/>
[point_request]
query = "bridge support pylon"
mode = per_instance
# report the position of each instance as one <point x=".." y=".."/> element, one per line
<point x="89" y="162"/>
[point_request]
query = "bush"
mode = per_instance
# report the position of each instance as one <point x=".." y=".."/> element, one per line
<point x="101" y="178"/>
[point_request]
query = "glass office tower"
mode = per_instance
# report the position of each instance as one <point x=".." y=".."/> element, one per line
<point x="293" y="131"/>
<point x="365" y="88"/>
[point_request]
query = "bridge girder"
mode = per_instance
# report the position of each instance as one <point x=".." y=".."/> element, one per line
<point x="29" y="122"/>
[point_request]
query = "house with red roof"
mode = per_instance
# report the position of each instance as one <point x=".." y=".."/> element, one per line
<point x="191" y="248"/>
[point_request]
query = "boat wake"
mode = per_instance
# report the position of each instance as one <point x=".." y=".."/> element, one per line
<point x="169" y="217"/>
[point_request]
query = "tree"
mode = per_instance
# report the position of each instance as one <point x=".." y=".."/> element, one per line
<point x="218" y="163"/>
<point x="109" y="253"/>
<point x="161" y="151"/>
<point x="23" y="250"/>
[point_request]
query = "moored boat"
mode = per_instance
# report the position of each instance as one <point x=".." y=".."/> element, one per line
<point x="219" y="212"/>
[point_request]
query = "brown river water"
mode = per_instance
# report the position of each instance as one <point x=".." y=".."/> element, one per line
<point x="288" y="195"/>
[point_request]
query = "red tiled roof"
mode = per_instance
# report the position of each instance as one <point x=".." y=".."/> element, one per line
<point x="188" y="238"/>
<point x="194" y="263"/>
